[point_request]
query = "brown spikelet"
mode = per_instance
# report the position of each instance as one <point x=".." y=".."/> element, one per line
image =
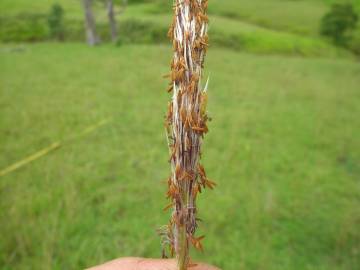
<point x="210" y="184"/>
<point x="196" y="242"/>
<point x="168" y="206"/>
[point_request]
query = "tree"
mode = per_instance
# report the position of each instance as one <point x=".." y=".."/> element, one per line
<point x="112" y="19"/>
<point x="338" y="23"/>
<point x="110" y="7"/>
<point x="90" y="24"/>
<point x="55" y="22"/>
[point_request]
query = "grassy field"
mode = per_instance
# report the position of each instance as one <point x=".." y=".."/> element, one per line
<point x="281" y="147"/>
<point x="282" y="144"/>
<point x="236" y="31"/>
<point x="301" y="17"/>
<point x="11" y="7"/>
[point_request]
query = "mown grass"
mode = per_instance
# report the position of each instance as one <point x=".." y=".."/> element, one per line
<point x="73" y="8"/>
<point x="282" y="147"/>
<point x="255" y="39"/>
<point x="231" y="27"/>
<point x="232" y="34"/>
<point x="300" y="17"/>
<point x="291" y="16"/>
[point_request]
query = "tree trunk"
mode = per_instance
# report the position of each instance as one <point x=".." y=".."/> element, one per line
<point x="90" y="25"/>
<point x="112" y="19"/>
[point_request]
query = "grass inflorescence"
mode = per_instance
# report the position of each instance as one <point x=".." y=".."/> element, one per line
<point x="186" y="124"/>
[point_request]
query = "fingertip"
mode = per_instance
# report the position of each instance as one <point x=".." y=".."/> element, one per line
<point x="136" y="263"/>
<point x="127" y="263"/>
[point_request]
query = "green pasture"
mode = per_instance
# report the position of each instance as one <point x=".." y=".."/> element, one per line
<point x="283" y="143"/>
<point x="282" y="147"/>
<point x="148" y="23"/>
<point x="301" y="16"/>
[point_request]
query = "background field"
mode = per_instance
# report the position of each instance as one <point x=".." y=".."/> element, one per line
<point x="283" y="144"/>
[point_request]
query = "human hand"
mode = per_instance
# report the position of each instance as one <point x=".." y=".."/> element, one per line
<point x="147" y="264"/>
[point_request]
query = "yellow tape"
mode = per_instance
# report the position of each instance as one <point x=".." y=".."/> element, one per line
<point x="48" y="149"/>
<point x="93" y="127"/>
<point x="29" y="159"/>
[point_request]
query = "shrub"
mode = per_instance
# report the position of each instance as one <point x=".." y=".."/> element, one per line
<point x="354" y="44"/>
<point x="338" y="23"/>
<point x="55" y="22"/>
<point x="23" y="28"/>
<point x="134" y="31"/>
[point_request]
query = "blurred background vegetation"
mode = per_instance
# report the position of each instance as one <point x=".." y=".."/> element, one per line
<point x="283" y="145"/>
<point x="272" y="26"/>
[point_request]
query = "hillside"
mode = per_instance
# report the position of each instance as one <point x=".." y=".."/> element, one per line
<point x="254" y="26"/>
